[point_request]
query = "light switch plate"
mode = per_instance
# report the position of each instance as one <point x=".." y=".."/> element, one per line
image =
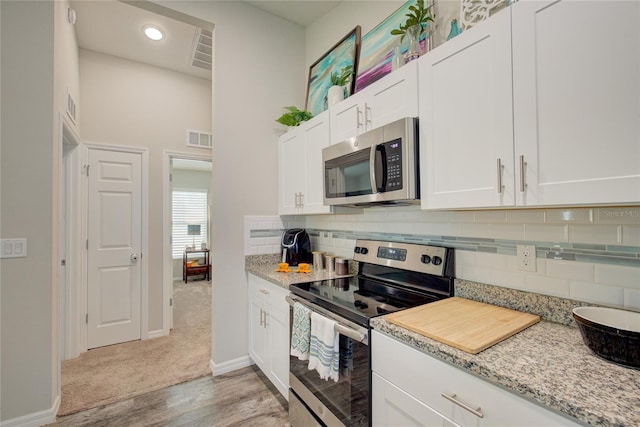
<point x="13" y="248"/>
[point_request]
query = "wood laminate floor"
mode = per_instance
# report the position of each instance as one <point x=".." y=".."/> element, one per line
<point x="241" y="398"/>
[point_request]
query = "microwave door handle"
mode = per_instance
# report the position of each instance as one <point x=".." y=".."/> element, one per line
<point x="380" y="153"/>
<point x="372" y="168"/>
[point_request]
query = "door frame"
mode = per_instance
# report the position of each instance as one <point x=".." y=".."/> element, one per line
<point x="167" y="270"/>
<point x="84" y="223"/>
<point x="69" y="196"/>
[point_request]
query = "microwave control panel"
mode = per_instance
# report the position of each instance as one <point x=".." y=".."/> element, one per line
<point x="393" y="153"/>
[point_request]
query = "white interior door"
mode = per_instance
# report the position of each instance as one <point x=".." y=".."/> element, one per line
<point x="114" y="246"/>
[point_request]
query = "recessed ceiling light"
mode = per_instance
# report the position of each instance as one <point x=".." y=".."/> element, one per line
<point x="153" y="32"/>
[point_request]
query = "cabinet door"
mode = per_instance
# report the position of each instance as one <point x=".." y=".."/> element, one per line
<point x="257" y="332"/>
<point x="392" y="98"/>
<point x="466" y="124"/>
<point x="291" y="169"/>
<point x="576" y="68"/>
<point x="347" y="119"/>
<point x="316" y="137"/>
<point x="278" y="331"/>
<point x="393" y="407"/>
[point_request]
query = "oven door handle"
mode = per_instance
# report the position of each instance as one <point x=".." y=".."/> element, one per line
<point x="339" y="328"/>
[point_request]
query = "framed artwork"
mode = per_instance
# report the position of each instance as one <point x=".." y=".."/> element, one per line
<point x="376" y="52"/>
<point x="342" y="54"/>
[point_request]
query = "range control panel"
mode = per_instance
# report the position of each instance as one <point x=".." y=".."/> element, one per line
<point x="435" y="260"/>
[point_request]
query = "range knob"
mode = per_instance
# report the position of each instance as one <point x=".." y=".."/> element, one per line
<point x="357" y="249"/>
<point x="437" y="260"/>
<point x="425" y="259"/>
<point x="364" y="251"/>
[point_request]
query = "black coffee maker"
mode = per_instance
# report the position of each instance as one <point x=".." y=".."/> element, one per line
<point x="296" y="246"/>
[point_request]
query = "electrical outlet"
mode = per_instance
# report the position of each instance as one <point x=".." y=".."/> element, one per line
<point x="526" y="257"/>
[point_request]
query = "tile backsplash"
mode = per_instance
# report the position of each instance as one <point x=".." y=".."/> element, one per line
<point x="586" y="254"/>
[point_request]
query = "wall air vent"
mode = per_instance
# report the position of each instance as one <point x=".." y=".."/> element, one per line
<point x="201" y="56"/>
<point x="199" y="139"/>
<point x="71" y="108"/>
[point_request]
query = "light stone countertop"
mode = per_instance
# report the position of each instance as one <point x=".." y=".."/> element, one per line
<point x="547" y="363"/>
<point x="264" y="266"/>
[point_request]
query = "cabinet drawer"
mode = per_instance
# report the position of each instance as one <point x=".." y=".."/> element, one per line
<point x="427" y="379"/>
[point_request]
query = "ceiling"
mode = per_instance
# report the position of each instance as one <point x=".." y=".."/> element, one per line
<point x="115" y="28"/>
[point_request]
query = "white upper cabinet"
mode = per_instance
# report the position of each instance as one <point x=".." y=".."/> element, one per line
<point x="576" y="77"/>
<point x="384" y="101"/>
<point x="291" y="170"/>
<point x="466" y="128"/>
<point x="316" y="136"/>
<point x="301" y="171"/>
<point x="537" y="106"/>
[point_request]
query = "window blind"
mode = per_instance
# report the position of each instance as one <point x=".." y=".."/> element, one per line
<point x="189" y="208"/>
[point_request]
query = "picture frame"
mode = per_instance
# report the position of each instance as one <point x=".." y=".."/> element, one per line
<point x="377" y="46"/>
<point x="345" y="52"/>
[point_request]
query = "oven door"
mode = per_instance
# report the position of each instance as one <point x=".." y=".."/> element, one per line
<point x="342" y="403"/>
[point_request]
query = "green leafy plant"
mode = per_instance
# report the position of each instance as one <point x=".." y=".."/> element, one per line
<point x="343" y="78"/>
<point x="419" y="15"/>
<point x="294" y="117"/>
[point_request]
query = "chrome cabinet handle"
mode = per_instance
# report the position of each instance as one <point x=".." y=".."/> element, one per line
<point x="358" y="114"/>
<point x="261" y="319"/>
<point x="474" y="411"/>
<point x="523" y="183"/>
<point x="301" y="200"/>
<point x="500" y="169"/>
<point x="266" y="322"/>
<point x="264" y="292"/>
<point x="367" y="110"/>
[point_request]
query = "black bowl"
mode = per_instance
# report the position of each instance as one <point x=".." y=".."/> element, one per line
<point x="611" y="333"/>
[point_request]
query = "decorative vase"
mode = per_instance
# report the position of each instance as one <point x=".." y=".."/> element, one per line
<point x="414" y="50"/>
<point x="397" y="60"/>
<point x="335" y="95"/>
<point x="455" y="29"/>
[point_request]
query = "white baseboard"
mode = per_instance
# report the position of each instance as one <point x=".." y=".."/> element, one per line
<point x="231" y="365"/>
<point x="36" y="419"/>
<point x="155" y="334"/>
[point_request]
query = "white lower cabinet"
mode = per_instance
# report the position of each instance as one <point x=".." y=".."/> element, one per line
<point x="269" y="331"/>
<point x="409" y="389"/>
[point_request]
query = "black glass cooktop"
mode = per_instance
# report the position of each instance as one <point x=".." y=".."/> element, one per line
<point x="360" y="298"/>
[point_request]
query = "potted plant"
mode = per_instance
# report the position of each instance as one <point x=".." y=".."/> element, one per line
<point x="416" y="23"/>
<point x="339" y="81"/>
<point x="294" y="116"/>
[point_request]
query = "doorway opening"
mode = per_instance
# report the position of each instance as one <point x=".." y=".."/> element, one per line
<point x="187" y="221"/>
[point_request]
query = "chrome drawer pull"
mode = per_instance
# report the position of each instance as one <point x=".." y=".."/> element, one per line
<point x="474" y="411"/>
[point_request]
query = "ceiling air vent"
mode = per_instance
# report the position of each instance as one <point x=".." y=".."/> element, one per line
<point x="199" y="139"/>
<point x="202" y="49"/>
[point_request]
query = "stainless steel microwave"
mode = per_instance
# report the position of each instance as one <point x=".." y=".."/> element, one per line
<point x="376" y="167"/>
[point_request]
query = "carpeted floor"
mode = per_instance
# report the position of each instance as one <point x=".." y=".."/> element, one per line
<point x="109" y="374"/>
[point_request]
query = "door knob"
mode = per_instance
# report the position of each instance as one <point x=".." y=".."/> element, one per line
<point x="134" y="257"/>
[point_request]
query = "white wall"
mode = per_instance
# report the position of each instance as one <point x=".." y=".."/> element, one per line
<point x="28" y="209"/>
<point x="258" y="69"/>
<point x="133" y="104"/>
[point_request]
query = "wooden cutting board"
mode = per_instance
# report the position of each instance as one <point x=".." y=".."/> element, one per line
<point x="468" y="325"/>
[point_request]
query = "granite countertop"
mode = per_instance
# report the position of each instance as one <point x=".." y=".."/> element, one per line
<point x="549" y="364"/>
<point x="264" y="266"/>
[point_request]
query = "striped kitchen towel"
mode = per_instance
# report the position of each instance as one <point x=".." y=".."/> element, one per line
<point x="324" y="347"/>
<point x="300" y="331"/>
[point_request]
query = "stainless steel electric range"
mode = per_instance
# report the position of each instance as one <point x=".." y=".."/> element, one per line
<point x="391" y="276"/>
